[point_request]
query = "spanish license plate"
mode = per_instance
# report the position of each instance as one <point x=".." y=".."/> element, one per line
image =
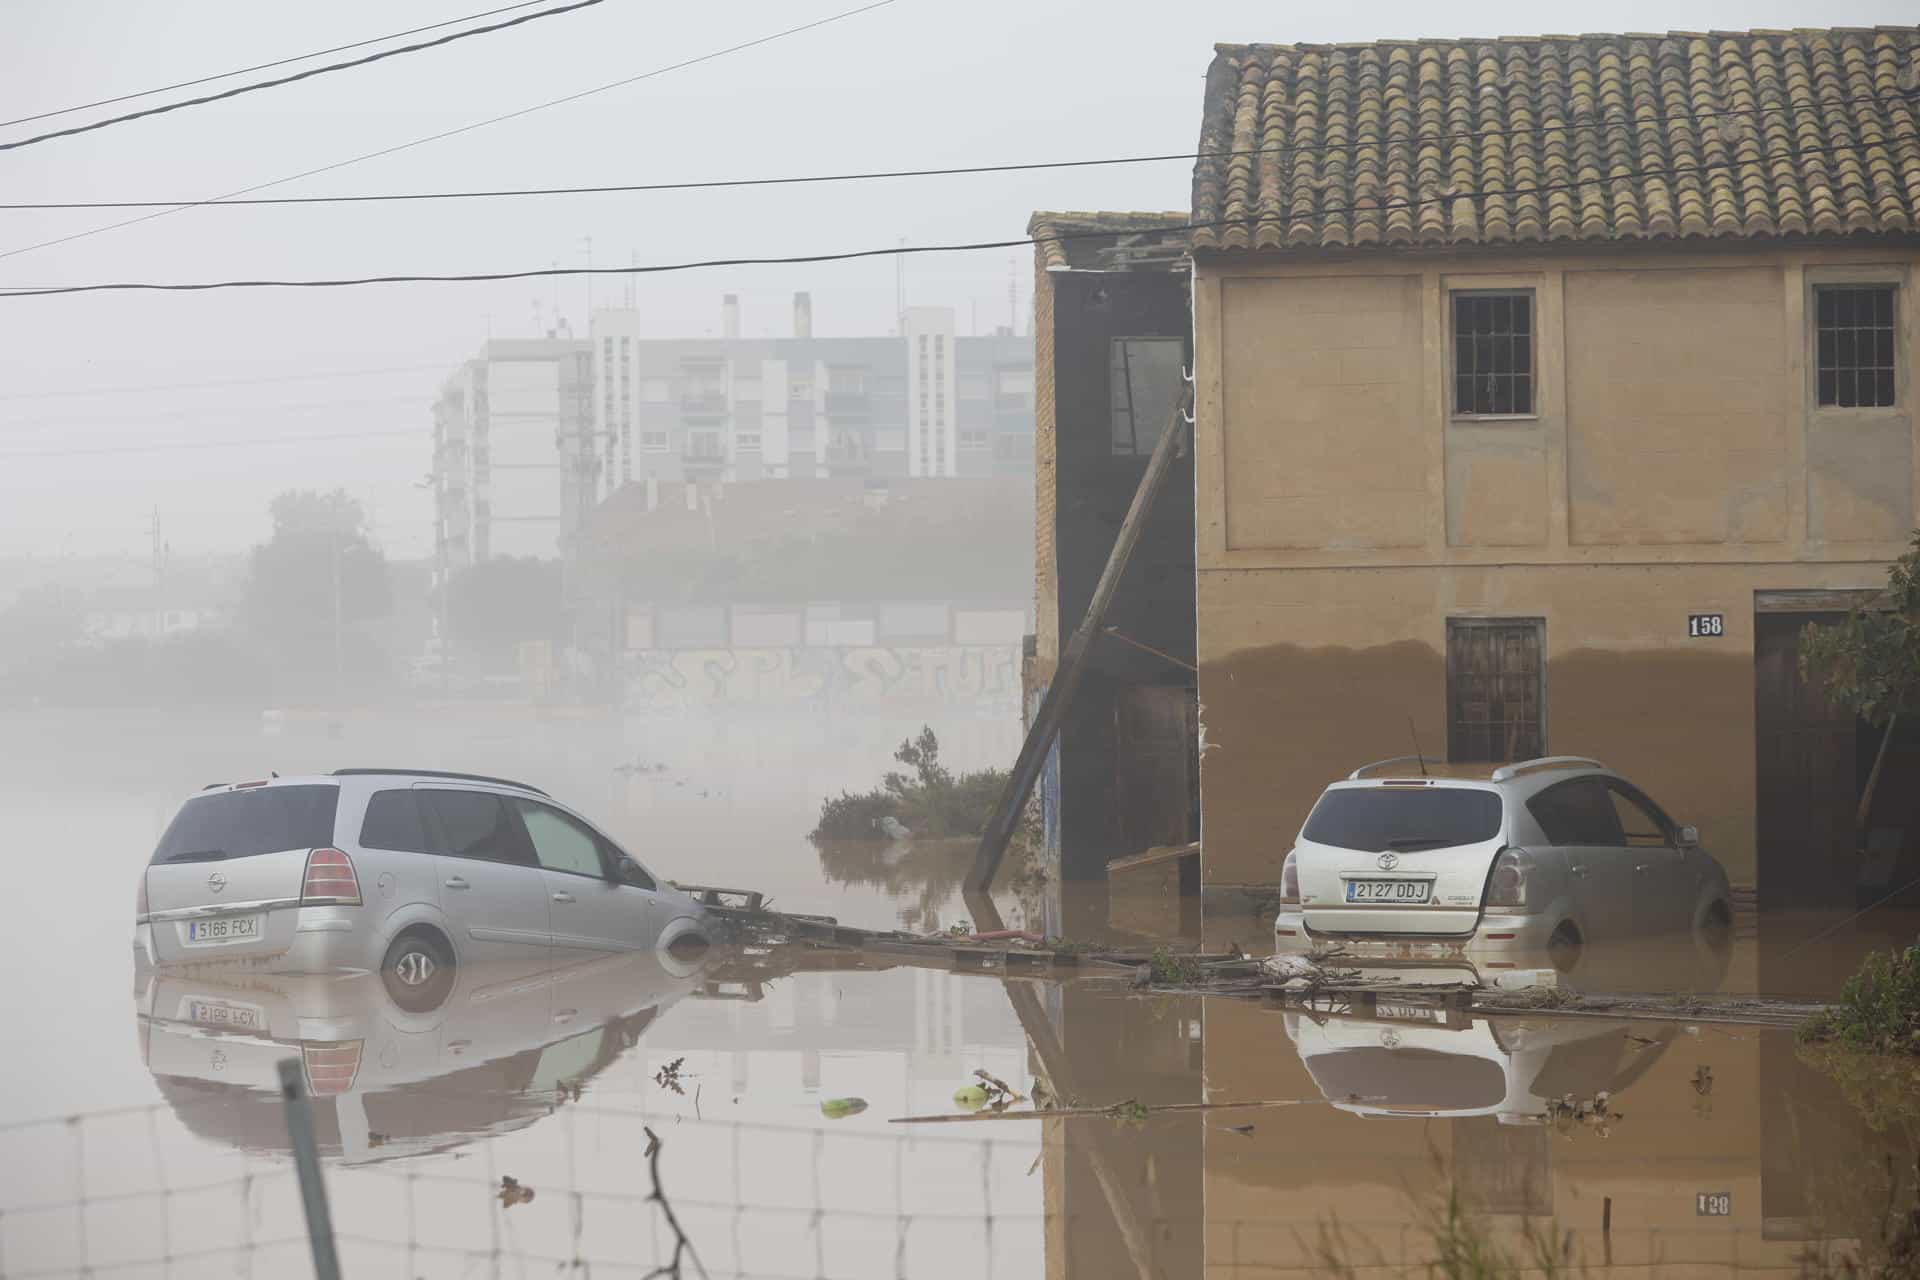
<point x="1389" y="890"/>
<point x="224" y="929"/>
<point x="1409" y="1012"/>
<point x="223" y="1014"/>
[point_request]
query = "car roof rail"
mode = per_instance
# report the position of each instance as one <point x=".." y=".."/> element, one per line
<point x="440" y="773"/>
<point x="1507" y="771"/>
<point x="1364" y="769"/>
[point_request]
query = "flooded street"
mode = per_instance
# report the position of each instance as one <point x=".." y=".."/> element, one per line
<point x="145" y="1136"/>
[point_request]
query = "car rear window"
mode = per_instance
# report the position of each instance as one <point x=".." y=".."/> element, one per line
<point x="243" y="824"/>
<point x="1412" y="1078"/>
<point x="1375" y="819"/>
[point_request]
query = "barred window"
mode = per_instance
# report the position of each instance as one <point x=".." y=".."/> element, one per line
<point x="1853" y="331"/>
<point x="1493" y="353"/>
<point x="1496" y="689"/>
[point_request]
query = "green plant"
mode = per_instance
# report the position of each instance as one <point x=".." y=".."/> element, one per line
<point x="932" y="801"/>
<point x="1463" y="1248"/>
<point x="1878" y="1010"/>
<point x="1169" y="970"/>
<point x="1869" y="662"/>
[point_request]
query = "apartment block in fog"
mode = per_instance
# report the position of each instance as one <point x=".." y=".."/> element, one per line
<point x="927" y="402"/>
<point x="509" y="428"/>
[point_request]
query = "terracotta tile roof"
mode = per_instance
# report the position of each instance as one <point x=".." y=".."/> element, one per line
<point x="1727" y="134"/>
<point x="1083" y="241"/>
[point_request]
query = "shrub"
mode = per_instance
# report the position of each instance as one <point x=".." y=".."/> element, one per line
<point x="1879" y="1008"/>
<point x="929" y="802"/>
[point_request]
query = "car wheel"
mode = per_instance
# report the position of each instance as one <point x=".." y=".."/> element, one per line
<point x="1714" y="942"/>
<point x="418" y="971"/>
<point x="1563" y="948"/>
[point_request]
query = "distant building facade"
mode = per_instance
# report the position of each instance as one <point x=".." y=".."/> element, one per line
<point x="511" y="471"/>
<point x="925" y="402"/>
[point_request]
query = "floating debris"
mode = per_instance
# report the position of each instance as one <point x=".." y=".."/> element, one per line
<point x="512" y="1193"/>
<point x="841" y="1108"/>
<point x="668" y="1077"/>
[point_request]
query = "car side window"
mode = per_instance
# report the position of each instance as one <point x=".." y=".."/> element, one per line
<point x="478" y="824"/>
<point x="561" y="842"/>
<point x="1640" y="828"/>
<point x="394" y="821"/>
<point x="1576" y="812"/>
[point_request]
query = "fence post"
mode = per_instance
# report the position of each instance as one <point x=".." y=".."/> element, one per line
<point x="306" y="1160"/>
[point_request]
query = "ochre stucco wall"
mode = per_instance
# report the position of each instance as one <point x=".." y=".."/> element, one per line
<point x="1675" y="465"/>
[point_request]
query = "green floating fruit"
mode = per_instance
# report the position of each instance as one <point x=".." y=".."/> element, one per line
<point x="970" y="1097"/>
<point x="841" y="1108"/>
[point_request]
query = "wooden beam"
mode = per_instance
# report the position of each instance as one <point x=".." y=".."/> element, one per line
<point x="1066" y="677"/>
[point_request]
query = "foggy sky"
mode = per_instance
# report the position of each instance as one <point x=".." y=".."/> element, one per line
<point x="915" y="84"/>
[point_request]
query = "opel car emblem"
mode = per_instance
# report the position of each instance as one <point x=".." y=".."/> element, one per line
<point x="216" y="882"/>
<point x="1388" y="861"/>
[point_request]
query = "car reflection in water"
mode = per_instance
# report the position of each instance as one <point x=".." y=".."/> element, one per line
<point x="499" y="1052"/>
<point x="1414" y="1061"/>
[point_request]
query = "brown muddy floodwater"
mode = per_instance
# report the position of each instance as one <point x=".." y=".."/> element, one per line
<point x="141" y="1137"/>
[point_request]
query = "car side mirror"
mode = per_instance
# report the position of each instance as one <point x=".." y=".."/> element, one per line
<point x="1689" y="837"/>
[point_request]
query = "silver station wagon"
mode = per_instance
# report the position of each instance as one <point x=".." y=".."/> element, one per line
<point x="407" y="872"/>
<point x="1545" y="857"/>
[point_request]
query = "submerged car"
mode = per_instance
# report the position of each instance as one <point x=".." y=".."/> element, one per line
<point x="1546" y="855"/>
<point x="408" y="872"/>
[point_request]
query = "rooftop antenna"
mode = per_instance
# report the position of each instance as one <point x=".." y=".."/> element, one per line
<point x="1415" y="735"/>
<point x="900" y="289"/>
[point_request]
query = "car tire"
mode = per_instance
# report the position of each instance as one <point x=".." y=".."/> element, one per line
<point x="1564" y="947"/>
<point x="418" y="971"/>
<point x="1713" y="940"/>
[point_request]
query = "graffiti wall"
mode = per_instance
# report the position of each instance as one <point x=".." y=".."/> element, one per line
<point x="978" y="680"/>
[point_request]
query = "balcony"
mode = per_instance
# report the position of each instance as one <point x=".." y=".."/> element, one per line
<point x="849" y="404"/>
<point x="703" y="451"/>
<point x="709" y="403"/>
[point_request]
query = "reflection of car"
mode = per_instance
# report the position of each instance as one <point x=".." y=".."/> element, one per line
<point x="406" y="872"/>
<point x="1413" y="1061"/>
<point x="1545" y="855"/>
<point x="507" y="1043"/>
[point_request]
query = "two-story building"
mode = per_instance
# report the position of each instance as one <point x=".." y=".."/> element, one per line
<point x="1546" y="388"/>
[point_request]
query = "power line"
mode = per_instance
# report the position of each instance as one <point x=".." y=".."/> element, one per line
<point x="265" y="66"/>
<point x="465" y="128"/>
<point x="1618" y="122"/>
<point x="224" y="382"/>
<point x="170" y="446"/>
<point x="905" y="250"/>
<point x="298" y="75"/>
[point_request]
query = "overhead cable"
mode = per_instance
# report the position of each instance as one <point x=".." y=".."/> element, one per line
<point x="961" y="170"/>
<point x="465" y="128"/>
<point x="1444" y="197"/>
<point x="265" y="66"/>
<point x="308" y="74"/>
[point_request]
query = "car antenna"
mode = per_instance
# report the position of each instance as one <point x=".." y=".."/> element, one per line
<point x="1414" y="734"/>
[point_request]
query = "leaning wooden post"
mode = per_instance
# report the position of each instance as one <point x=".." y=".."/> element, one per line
<point x="1066" y="678"/>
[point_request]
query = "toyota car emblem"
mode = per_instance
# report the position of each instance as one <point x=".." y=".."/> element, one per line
<point x="1388" y="861"/>
<point x="216" y="882"/>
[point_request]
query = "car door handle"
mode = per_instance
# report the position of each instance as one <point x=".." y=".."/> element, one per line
<point x="1643" y="866"/>
<point x="1578" y="870"/>
<point x="563" y="897"/>
<point x="457" y="882"/>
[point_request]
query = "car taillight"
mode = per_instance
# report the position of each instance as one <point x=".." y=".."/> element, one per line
<point x="140" y="899"/>
<point x="330" y="880"/>
<point x="1507" y="882"/>
<point x="330" y="1067"/>
<point x="1290" y="880"/>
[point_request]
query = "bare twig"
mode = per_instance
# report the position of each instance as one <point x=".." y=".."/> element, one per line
<point x="682" y="1245"/>
<point x="1123" y="1110"/>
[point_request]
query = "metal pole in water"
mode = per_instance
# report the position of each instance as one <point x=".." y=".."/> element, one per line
<point x="306" y="1160"/>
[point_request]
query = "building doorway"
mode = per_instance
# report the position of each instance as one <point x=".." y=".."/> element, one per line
<point x="1806" y="774"/>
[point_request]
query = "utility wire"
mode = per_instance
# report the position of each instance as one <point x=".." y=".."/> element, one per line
<point x="907" y="250"/>
<point x="465" y="128"/>
<point x="308" y="74"/>
<point x="963" y="170"/>
<point x="266" y="66"/>
<point x="172" y="445"/>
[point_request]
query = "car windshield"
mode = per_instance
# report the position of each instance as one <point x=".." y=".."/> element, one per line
<point x="241" y="824"/>
<point x="1376" y="819"/>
